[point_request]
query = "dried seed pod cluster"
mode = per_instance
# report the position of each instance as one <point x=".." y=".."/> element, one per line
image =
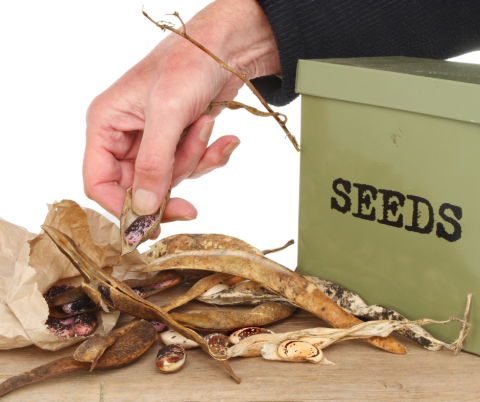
<point x="230" y="266"/>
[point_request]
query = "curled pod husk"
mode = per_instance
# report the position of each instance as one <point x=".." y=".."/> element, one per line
<point x="222" y="320"/>
<point x="135" y="229"/>
<point x="354" y="304"/>
<point x="274" y="276"/>
<point x="188" y="242"/>
<point x="170" y="358"/>
<point x="123" y="352"/>
<point x="243" y="293"/>
<point x="107" y="292"/>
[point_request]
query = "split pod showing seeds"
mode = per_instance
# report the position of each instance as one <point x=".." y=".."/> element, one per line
<point x="171" y="358"/>
<point x="107" y="292"/>
<point x="136" y="229"/>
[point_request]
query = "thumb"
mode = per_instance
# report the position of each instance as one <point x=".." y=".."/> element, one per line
<point x="155" y="158"/>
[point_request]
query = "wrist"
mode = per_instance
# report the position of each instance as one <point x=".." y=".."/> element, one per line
<point x="238" y="32"/>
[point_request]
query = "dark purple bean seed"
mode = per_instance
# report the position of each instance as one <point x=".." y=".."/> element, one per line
<point x="78" y="306"/>
<point x="159" y="326"/>
<point x="105" y="292"/>
<point x="164" y="284"/>
<point x="85" y="324"/>
<point x="61" y="330"/>
<point x="56" y="290"/>
<point x="138" y="228"/>
<point x="140" y="291"/>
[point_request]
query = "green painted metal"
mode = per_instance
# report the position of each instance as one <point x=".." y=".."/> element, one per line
<point x="383" y="148"/>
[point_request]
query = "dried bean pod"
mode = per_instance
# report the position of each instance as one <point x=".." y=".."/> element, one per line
<point x="171" y="358"/>
<point x="85" y="324"/>
<point x="56" y="290"/>
<point x="184" y="242"/>
<point x="225" y="320"/>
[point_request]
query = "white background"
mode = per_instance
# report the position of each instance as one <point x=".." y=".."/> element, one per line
<point x="56" y="56"/>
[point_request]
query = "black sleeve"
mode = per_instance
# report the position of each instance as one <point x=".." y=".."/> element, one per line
<point x="320" y="29"/>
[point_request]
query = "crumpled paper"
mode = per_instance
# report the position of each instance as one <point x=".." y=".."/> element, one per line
<point x="30" y="264"/>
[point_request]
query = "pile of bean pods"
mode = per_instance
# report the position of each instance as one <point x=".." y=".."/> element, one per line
<point x="224" y="271"/>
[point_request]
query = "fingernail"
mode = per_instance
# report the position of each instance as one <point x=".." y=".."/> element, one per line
<point x="187" y="218"/>
<point x="230" y="147"/>
<point x="206" y="130"/>
<point x="144" y="202"/>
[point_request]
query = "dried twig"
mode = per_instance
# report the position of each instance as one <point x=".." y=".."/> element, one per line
<point x="274" y="250"/>
<point x="465" y="327"/>
<point x="164" y="25"/>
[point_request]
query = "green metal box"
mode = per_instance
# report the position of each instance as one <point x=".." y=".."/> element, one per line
<point x="390" y="184"/>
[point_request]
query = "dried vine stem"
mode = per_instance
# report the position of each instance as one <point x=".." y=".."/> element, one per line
<point x="165" y="25"/>
<point x="233" y="105"/>
<point x="465" y="327"/>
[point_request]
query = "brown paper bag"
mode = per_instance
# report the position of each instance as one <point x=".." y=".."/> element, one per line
<point x="30" y="264"/>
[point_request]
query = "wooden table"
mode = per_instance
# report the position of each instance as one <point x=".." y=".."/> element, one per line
<point x="362" y="372"/>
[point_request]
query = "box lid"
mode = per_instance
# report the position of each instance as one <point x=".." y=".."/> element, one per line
<point x="433" y="87"/>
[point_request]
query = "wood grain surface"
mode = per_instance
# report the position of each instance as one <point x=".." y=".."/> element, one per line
<point x="362" y="373"/>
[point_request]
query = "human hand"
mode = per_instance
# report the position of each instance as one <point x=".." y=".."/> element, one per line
<point x="134" y="126"/>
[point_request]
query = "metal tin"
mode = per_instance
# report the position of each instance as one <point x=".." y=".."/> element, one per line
<point x="390" y="184"/>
